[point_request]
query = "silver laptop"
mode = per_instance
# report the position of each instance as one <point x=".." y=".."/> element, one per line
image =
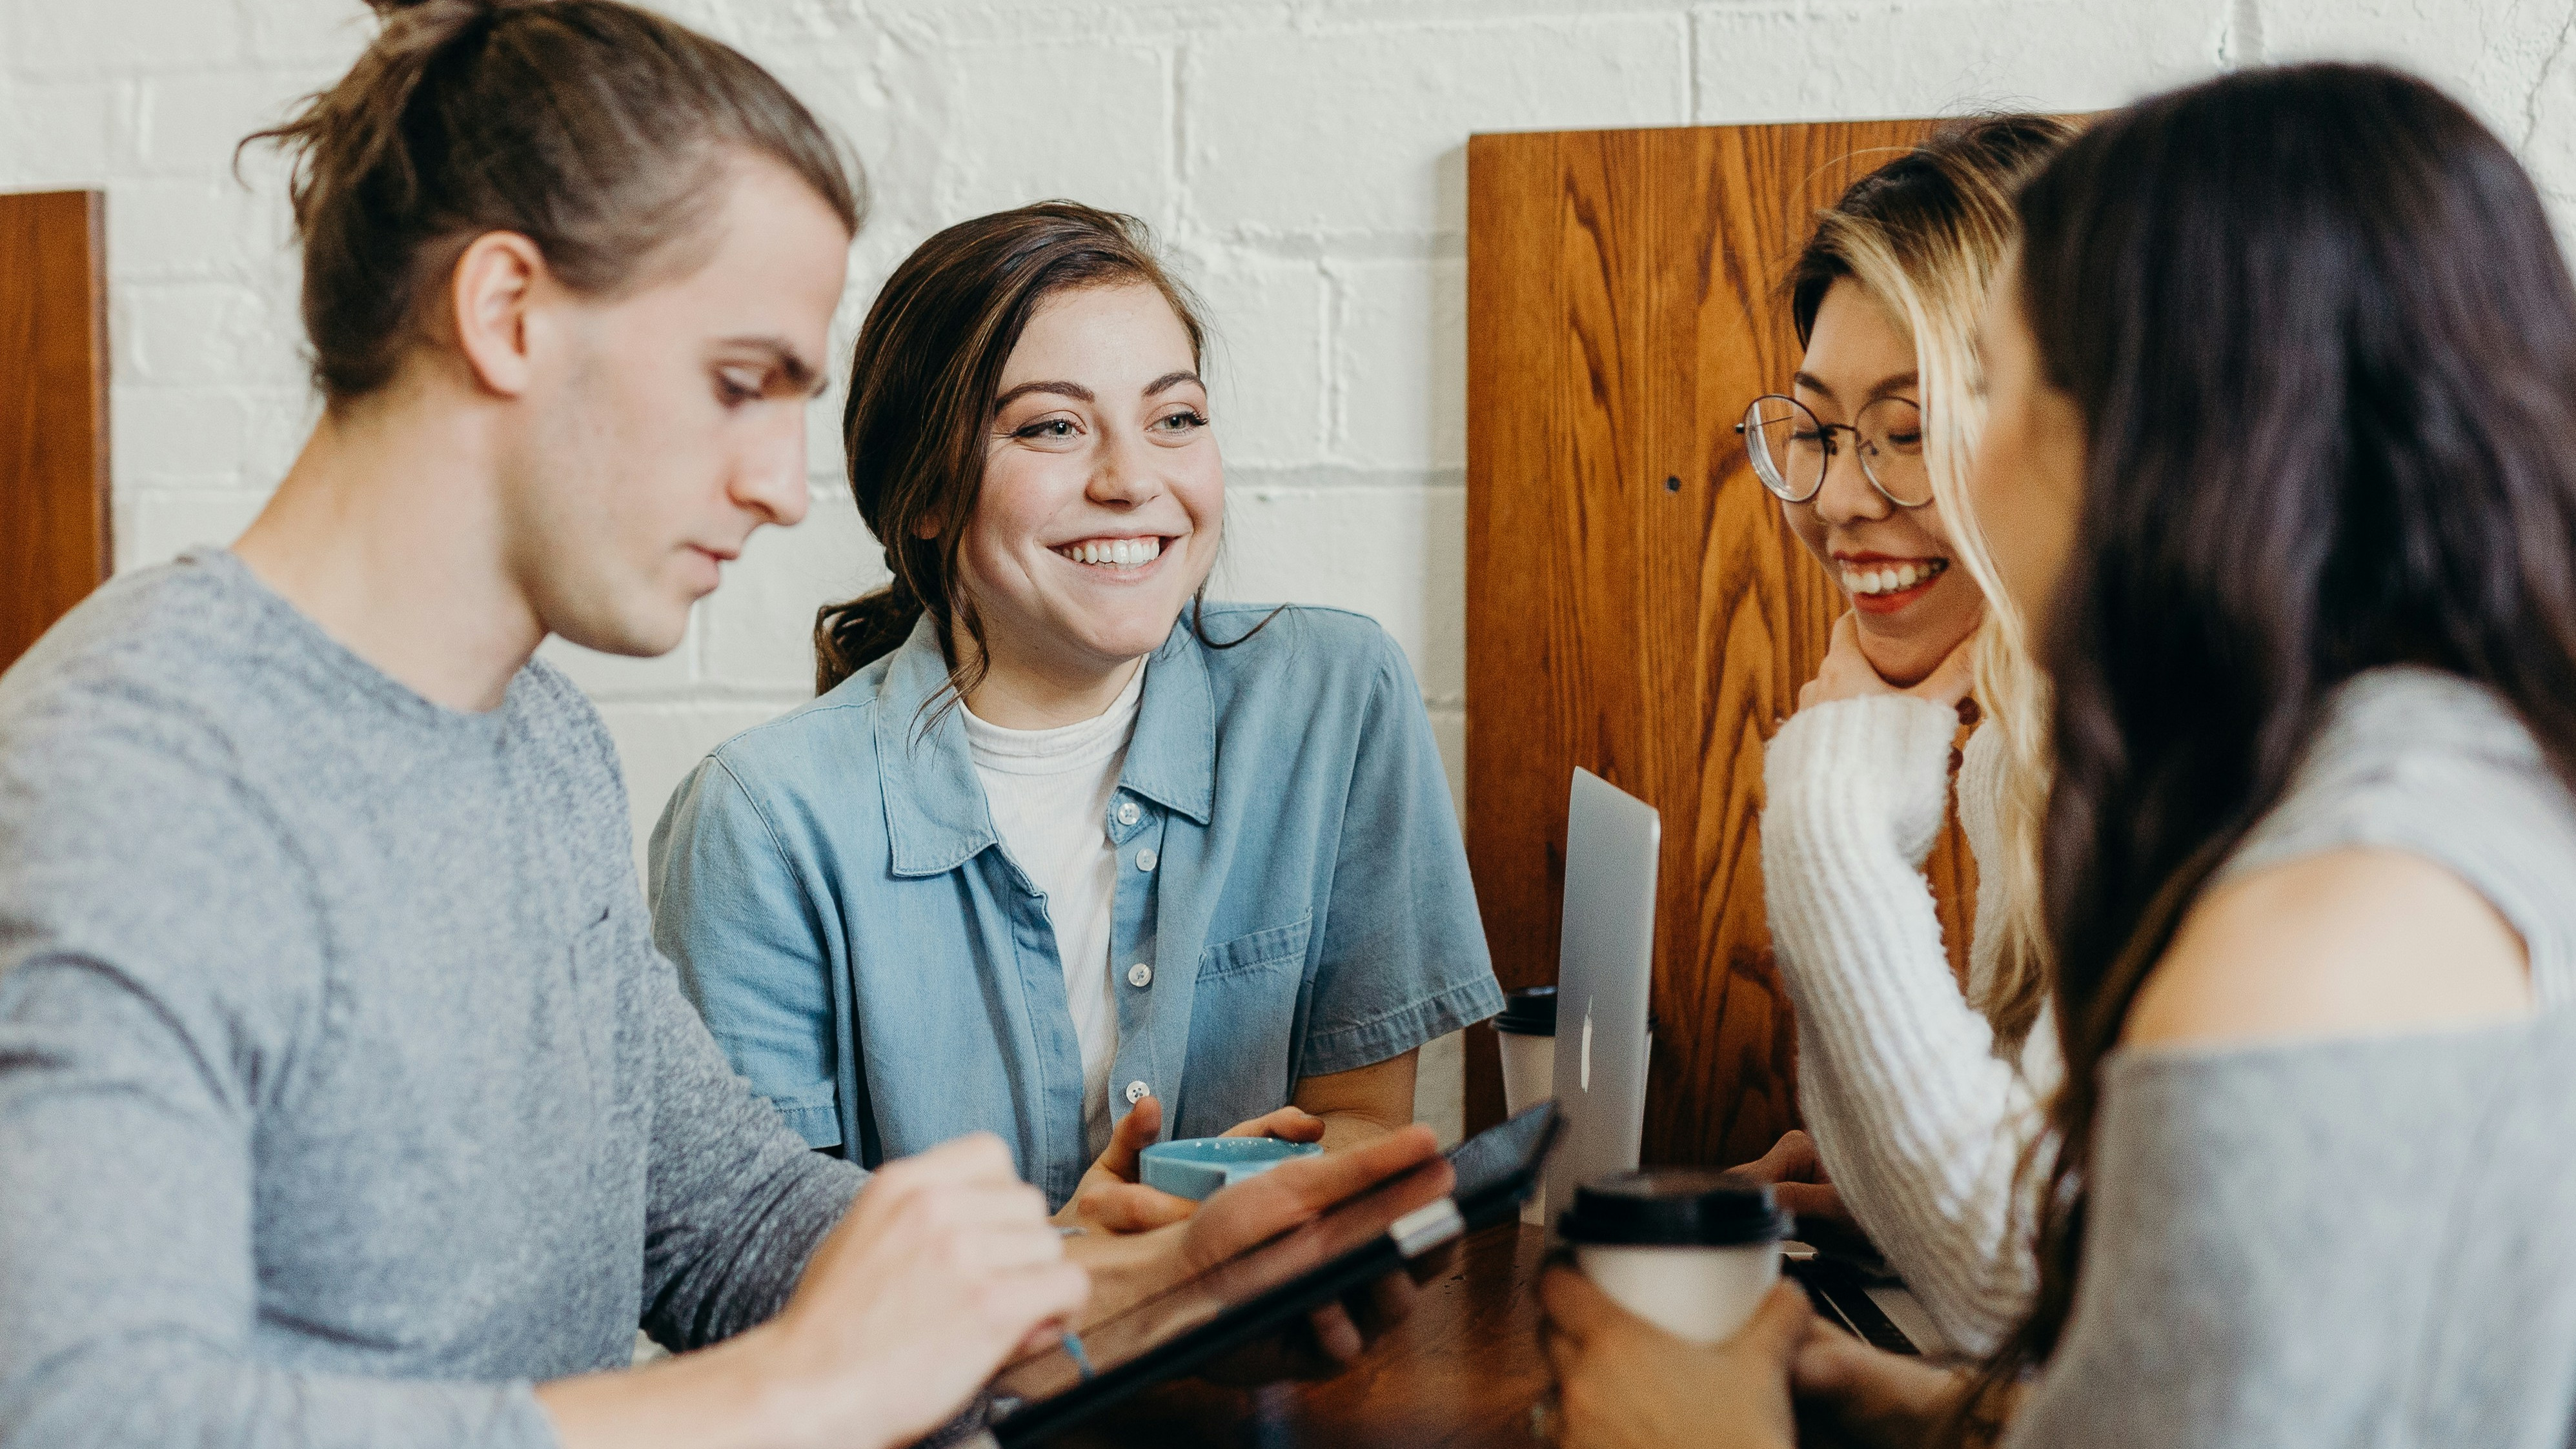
<point x="1605" y="964"/>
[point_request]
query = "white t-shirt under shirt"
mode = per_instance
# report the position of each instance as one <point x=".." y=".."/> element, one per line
<point x="1050" y="792"/>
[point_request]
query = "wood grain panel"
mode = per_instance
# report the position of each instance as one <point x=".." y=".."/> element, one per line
<point x="1635" y="603"/>
<point x="1513" y="306"/>
<point x="54" y="545"/>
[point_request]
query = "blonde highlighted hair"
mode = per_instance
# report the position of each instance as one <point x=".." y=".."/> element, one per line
<point x="1925" y="235"/>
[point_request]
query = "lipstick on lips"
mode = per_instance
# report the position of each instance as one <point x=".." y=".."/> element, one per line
<point x="1881" y="584"/>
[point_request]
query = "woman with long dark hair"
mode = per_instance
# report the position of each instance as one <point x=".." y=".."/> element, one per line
<point x="1064" y="851"/>
<point x="2281" y="452"/>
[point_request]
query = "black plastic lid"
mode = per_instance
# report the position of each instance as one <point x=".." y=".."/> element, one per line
<point x="1688" y="1207"/>
<point x="1530" y="1011"/>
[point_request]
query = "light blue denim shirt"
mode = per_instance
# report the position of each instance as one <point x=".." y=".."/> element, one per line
<point x="864" y="948"/>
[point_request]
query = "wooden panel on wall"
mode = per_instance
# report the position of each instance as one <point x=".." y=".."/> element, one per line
<point x="1635" y="604"/>
<point x="54" y="545"/>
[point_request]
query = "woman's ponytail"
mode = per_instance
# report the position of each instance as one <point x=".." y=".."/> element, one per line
<point x="850" y="635"/>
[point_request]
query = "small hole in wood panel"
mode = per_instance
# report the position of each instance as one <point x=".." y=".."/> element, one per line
<point x="1672" y="485"/>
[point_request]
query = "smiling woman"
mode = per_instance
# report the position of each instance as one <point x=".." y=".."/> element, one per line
<point x="1847" y="450"/>
<point x="1064" y="851"/>
<point x="1919" y="1094"/>
<point x="1101" y="508"/>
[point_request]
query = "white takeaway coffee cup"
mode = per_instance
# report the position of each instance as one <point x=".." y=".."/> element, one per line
<point x="1527" y="1028"/>
<point x="1690" y="1250"/>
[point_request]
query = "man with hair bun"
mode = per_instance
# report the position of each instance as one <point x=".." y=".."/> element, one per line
<point x="344" y="1099"/>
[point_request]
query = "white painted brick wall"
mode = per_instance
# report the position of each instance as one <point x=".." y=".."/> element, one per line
<point x="1312" y="132"/>
<point x="1303" y="160"/>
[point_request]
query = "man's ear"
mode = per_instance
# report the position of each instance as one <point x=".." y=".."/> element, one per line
<point x="489" y="291"/>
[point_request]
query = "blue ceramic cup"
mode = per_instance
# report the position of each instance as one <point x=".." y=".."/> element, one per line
<point x="1194" y="1167"/>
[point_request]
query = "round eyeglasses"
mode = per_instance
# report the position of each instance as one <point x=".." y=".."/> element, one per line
<point x="1791" y="449"/>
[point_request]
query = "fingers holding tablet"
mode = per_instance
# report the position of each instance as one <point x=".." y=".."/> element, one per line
<point x="944" y="1265"/>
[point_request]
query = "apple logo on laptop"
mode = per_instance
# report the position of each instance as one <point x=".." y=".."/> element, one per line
<point x="1585" y="1084"/>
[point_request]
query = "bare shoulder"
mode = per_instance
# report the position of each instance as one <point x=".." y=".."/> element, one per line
<point x="2343" y="943"/>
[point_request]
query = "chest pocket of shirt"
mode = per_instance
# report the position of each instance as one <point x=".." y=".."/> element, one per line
<point x="1280" y="945"/>
<point x="1241" y="1018"/>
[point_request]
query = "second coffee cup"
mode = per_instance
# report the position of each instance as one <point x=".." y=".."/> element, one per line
<point x="1528" y="1031"/>
<point x="1691" y="1250"/>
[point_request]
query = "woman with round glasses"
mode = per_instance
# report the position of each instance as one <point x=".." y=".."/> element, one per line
<point x="2281" y="376"/>
<point x="1918" y="1095"/>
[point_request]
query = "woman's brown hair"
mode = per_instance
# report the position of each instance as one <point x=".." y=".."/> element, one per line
<point x="2323" y="342"/>
<point x="597" y="130"/>
<point x="923" y="375"/>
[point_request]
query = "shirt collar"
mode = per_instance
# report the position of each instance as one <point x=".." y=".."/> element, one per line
<point x="1172" y="760"/>
<point x="936" y="814"/>
<point x="936" y="817"/>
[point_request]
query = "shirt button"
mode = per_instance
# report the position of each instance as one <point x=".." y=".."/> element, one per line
<point x="1145" y="858"/>
<point x="1127" y="812"/>
<point x="1136" y="1092"/>
<point x="1140" y="975"/>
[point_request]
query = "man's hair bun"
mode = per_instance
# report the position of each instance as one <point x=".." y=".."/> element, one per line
<point x="594" y="128"/>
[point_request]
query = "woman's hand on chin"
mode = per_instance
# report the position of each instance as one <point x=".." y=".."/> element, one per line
<point x="1848" y="674"/>
<point x="1111" y="1199"/>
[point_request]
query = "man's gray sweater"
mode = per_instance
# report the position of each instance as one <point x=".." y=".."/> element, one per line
<point x="343" y="1094"/>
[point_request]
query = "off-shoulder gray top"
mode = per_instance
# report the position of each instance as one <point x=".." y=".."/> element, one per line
<point x="2364" y="1241"/>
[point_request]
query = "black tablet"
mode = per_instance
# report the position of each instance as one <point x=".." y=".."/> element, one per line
<point x="1265" y="1289"/>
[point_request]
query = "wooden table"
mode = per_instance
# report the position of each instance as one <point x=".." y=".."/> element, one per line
<point x="1460" y="1373"/>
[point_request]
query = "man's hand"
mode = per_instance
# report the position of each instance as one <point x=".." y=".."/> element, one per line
<point x="943" y="1267"/>
<point x="1110" y="1199"/>
<point x="1623" y="1383"/>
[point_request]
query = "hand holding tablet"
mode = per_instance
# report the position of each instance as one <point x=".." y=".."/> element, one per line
<point x="1288" y="1274"/>
<point x="1249" y="1213"/>
<point x="942" y="1268"/>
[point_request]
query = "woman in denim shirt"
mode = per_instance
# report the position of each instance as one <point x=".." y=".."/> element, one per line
<point x="1061" y="851"/>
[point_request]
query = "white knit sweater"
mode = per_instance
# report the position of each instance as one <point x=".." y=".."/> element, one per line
<point x="1920" y="1123"/>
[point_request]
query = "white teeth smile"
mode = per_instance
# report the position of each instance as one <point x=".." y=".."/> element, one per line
<point x="1892" y="578"/>
<point x="1116" y="553"/>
